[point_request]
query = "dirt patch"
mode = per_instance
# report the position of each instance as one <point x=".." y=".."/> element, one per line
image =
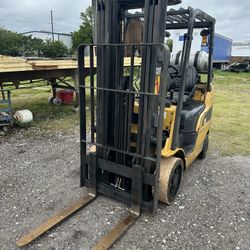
<point x="39" y="177"/>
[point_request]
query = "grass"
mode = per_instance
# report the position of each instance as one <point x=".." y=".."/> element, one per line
<point x="230" y="133"/>
<point x="47" y="118"/>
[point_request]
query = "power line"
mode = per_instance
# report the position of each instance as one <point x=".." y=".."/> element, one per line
<point x="46" y="32"/>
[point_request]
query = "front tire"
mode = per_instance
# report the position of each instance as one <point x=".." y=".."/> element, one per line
<point x="171" y="172"/>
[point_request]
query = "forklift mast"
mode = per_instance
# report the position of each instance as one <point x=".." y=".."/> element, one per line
<point x="126" y="164"/>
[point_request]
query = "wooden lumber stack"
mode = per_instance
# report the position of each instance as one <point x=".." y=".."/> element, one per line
<point x="53" y="64"/>
<point x="16" y="64"/>
<point x="13" y="64"/>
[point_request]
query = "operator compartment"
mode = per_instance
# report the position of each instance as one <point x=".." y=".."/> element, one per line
<point x="186" y="89"/>
<point x="192" y="108"/>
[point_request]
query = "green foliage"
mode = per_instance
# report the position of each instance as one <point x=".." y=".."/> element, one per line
<point x="11" y="43"/>
<point x="32" y="46"/>
<point x="170" y="44"/>
<point x="54" y="49"/>
<point x="84" y="34"/>
<point x="16" y="44"/>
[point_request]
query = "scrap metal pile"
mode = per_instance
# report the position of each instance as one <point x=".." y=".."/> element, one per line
<point x="238" y="67"/>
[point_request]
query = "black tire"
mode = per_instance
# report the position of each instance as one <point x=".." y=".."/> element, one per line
<point x="171" y="172"/>
<point x="203" y="153"/>
<point x="50" y="100"/>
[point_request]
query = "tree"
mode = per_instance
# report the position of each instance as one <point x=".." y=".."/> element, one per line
<point x="10" y="43"/>
<point x="54" y="49"/>
<point x="16" y="44"/>
<point x="33" y="46"/>
<point x="170" y="44"/>
<point x="85" y="33"/>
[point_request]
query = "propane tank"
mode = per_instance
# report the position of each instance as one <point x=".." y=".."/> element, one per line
<point x="23" y="116"/>
<point x="199" y="60"/>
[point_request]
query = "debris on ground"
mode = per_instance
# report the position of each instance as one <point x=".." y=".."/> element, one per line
<point x="238" y="67"/>
<point x="39" y="177"/>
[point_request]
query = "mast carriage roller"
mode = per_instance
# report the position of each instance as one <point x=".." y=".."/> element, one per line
<point x="133" y="116"/>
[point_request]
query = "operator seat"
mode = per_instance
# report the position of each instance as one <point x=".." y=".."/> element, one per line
<point x="191" y="110"/>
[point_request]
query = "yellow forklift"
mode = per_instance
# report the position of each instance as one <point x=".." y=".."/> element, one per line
<point x="148" y="121"/>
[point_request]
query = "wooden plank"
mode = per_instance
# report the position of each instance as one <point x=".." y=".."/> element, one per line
<point x="13" y="64"/>
<point x="15" y="69"/>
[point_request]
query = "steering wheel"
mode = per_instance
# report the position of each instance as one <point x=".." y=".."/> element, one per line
<point x="176" y="70"/>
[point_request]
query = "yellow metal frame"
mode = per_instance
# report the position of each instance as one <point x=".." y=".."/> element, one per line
<point x="202" y="128"/>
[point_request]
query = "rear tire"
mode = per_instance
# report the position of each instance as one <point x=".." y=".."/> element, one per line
<point x="171" y="172"/>
<point x="203" y="153"/>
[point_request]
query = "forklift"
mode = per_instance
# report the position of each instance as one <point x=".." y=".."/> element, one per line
<point x="149" y="121"/>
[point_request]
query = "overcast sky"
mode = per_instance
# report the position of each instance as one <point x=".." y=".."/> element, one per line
<point x="233" y="17"/>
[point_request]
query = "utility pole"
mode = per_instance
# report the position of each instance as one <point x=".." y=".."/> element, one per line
<point x="52" y="25"/>
<point x="94" y="20"/>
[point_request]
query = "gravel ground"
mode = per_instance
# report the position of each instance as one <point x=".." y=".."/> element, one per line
<point x="40" y="176"/>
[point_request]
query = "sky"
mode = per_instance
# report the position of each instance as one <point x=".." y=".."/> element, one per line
<point x="233" y="17"/>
